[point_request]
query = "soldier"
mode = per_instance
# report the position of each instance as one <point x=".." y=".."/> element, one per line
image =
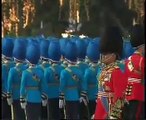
<point x="33" y="87"/>
<point x="14" y="79"/>
<point x="112" y="81"/>
<point x="44" y="63"/>
<point x="135" y="73"/>
<point x="90" y="76"/>
<point x="63" y="42"/>
<point x="70" y="79"/>
<point x="7" y="52"/>
<point x="51" y="76"/>
<point x="81" y="53"/>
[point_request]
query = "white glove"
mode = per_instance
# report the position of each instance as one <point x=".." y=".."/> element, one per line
<point x="44" y="99"/>
<point x="92" y="117"/>
<point x="112" y="118"/>
<point x="10" y="101"/>
<point x="61" y="103"/>
<point x="82" y="99"/>
<point x="44" y="102"/>
<point x="23" y="105"/>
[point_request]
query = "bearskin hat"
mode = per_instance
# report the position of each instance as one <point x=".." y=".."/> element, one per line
<point x="54" y="52"/>
<point x="19" y="50"/>
<point x="111" y="41"/>
<point x="137" y="35"/>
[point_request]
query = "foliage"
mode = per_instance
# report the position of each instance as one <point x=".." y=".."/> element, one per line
<point x="55" y="18"/>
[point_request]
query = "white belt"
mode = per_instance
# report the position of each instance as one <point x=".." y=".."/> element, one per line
<point x="134" y="80"/>
<point x="104" y="94"/>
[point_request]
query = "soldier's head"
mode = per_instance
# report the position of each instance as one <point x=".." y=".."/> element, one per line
<point x="54" y="52"/>
<point x="7" y="48"/>
<point x="19" y="51"/>
<point x="71" y="52"/>
<point x="92" y="53"/>
<point x="137" y="36"/>
<point x="111" y="44"/>
<point x="33" y="52"/>
<point x="44" y="45"/>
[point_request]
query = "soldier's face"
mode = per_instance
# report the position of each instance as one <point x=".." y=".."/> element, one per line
<point x="108" y="58"/>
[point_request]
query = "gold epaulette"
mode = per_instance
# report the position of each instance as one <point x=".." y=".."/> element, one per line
<point x="106" y="73"/>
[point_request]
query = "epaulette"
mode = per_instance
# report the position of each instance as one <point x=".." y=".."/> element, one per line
<point x="29" y="70"/>
<point x="69" y="70"/>
<point x="19" y="72"/>
<point x="106" y="73"/>
<point x="131" y="66"/>
<point x="52" y="68"/>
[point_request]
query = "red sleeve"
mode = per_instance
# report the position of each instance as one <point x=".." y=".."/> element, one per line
<point x="119" y="83"/>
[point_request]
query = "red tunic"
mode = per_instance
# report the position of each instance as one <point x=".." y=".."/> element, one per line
<point x="135" y="74"/>
<point x="112" y="83"/>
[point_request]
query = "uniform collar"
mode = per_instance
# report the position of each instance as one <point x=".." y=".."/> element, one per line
<point x="32" y="65"/>
<point x="71" y="65"/>
<point x="93" y="65"/>
<point x="18" y="64"/>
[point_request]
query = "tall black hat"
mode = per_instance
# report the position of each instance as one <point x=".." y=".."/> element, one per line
<point x="111" y="41"/>
<point x="137" y="35"/>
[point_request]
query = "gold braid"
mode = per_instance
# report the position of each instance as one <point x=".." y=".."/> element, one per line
<point x="107" y="70"/>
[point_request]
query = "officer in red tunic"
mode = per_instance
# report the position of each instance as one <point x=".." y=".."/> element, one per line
<point x="112" y="80"/>
<point x="135" y="74"/>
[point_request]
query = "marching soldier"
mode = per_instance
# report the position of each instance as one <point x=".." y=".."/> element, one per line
<point x="81" y="53"/>
<point x="52" y="78"/>
<point x="44" y="63"/>
<point x="135" y="73"/>
<point x="90" y="76"/>
<point x="70" y="79"/>
<point x="33" y="87"/>
<point x="7" y="53"/>
<point x="14" y="79"/>
<point x="111" y="81"/>
<point x="63" y="42"/>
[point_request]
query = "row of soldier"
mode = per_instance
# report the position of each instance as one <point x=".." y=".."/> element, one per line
<point x="53" y="78"/>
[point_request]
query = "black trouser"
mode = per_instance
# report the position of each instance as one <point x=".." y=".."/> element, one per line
<point x="92" y="105"/>
<point x="6" y="110"/>
<point x="53" y="109"/>
<point x="133" y="111"/>
<point x="61" y="113"/>
<point x="72" y="110"/>
<point x="84" y="111"/>
<point x="18" y="112"/>
<point x="33" y="111"/>
<point x="44" y="113"/>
